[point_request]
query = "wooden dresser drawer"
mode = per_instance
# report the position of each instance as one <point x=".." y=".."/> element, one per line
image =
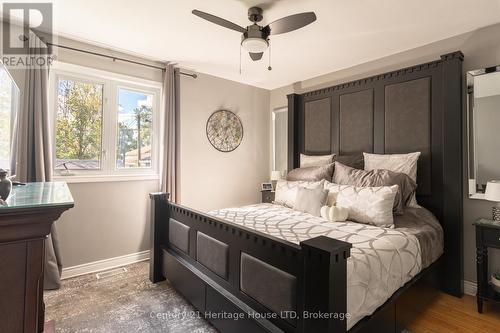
<point x="491" y="237"/>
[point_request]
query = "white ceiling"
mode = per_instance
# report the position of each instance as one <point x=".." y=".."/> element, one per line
<point x="346" y="33"/>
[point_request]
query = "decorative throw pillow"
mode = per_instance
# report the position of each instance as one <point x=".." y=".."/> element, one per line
<point x="371" y="205"/>
<point x="310" y="200"/>
<point x="404" y="163"/>
<point x="315" y="173"/>
<point x="344" y="175"/>
<point x="286" y="191"/>
<point x="315" y="160"/>
<point x="354" y="161"/>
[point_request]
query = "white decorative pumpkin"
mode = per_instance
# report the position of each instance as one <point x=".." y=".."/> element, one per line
<point x="334" y="213"/>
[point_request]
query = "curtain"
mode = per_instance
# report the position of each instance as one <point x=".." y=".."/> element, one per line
<point x="170" y="165"/>
<point x="32" y="147"/>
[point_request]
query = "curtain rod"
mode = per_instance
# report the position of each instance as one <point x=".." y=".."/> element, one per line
<point x="117" y="58"/>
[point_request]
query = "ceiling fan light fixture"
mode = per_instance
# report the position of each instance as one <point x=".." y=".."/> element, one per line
<point x="255" y="45"/>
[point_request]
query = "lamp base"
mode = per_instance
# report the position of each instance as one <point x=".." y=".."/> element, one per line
<point x="496" y="213"/>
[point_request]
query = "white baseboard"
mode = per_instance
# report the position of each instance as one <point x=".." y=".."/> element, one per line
<point x="102" y="265"/>
<point x="470" y="288"/>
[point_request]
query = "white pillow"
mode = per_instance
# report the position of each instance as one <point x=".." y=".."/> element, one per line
<point x="403" y="163"/>
<point x="371" y="205"/>
<point x="286" y="191"/>
<point x="315" y="160"/>
<point x="310" y="200"/>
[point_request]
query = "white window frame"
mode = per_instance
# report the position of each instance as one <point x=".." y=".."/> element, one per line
<point x="112" y="82"/>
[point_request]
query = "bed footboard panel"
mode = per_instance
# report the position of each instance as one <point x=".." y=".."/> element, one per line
<point x="221" y="267"/>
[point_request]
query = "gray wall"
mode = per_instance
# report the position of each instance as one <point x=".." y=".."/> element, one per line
<point x="481" y="49"/>
<point x="211" y="179"/>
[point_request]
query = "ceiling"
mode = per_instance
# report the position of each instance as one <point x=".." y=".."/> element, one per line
<point x="346" y="33"/>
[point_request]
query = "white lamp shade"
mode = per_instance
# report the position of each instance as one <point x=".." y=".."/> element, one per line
<point x="275" y="175"/>
<point x="493" y="191"/>
<point x="254" y="45"/>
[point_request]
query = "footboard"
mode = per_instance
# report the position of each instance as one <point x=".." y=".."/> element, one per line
<point x="246" y="281"/>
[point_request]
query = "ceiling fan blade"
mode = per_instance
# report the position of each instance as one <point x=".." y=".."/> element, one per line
<point x="219" y="21"/>
<point x="256" y="56"/>
<point x="290" y="23"/>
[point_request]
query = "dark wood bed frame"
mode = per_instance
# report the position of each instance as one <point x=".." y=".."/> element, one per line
<point x="363" y="115"/>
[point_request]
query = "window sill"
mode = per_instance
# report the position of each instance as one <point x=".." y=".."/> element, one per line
<point x="105" y="178"/>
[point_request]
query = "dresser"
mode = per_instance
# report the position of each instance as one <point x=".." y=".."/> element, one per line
<point x="25" y="221"/>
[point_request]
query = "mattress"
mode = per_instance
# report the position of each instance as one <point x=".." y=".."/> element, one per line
<point x="382" y="260"/>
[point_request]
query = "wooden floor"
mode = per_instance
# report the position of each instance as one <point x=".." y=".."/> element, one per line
<point x="448" y="314"/>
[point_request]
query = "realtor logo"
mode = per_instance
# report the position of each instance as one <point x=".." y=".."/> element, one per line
<point x="22" y="26"/>
<point x="19" y="19"/>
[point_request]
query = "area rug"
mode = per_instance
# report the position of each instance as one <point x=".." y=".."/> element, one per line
<point x="127" y="302"/>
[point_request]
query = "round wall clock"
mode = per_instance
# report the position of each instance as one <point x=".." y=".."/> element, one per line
<point x="224" y="130"/>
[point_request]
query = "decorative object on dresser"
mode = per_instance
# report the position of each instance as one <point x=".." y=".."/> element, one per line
<point x="267" y="196"/>
<point x="493" y="194"/>
<point x="487" y="235"/>
<point x="25" y="222"/>
<point x="224" y="130"/>
<point x="275" y="176"/>
<point x="5" y="185"/>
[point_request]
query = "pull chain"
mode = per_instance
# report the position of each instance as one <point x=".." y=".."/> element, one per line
<point x="269" y="68"/>
<point x="240" y="59"/>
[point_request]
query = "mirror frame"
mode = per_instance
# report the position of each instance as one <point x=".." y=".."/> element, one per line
<point x="471" y="172"/>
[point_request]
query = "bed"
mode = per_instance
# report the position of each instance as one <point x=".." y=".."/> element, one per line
<point x="267" y="268"/>
<point x="382" y="260"/>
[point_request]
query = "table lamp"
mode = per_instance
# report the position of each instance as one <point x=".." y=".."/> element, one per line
<point x="275" y="176"/>
<point x="493" y="194"/>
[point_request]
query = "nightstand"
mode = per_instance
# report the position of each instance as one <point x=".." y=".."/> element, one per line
<point x="267" y="196"/>
<point x="487" y="235"/>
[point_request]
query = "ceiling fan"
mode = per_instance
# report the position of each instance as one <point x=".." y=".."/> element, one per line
<point x="255" y="38"/>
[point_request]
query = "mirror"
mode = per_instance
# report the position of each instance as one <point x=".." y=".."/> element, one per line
<point x="483" y="117"/>
<point x="9" y="102"/>
<point x="280" y="139"/>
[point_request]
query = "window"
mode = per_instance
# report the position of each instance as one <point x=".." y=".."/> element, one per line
<point x="9" y="100"/>
<point x="79" y="125"/>
<point x="105" y="123"/>
<point x="135" y="118"/>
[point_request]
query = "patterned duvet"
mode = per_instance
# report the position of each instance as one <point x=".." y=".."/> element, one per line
<point x="382" y="260"/>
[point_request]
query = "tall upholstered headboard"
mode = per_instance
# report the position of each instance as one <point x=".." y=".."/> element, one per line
<point x="413" y="109"/>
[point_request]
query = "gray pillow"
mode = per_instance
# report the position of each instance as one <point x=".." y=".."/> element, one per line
<point x="344" y="175"/>
<point x="356" y="161"/>
<point x="311" y="174"/>
<point x="310" y="200"/>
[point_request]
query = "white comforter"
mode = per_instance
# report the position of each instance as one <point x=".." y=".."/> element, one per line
<point x="382" y="260"/>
